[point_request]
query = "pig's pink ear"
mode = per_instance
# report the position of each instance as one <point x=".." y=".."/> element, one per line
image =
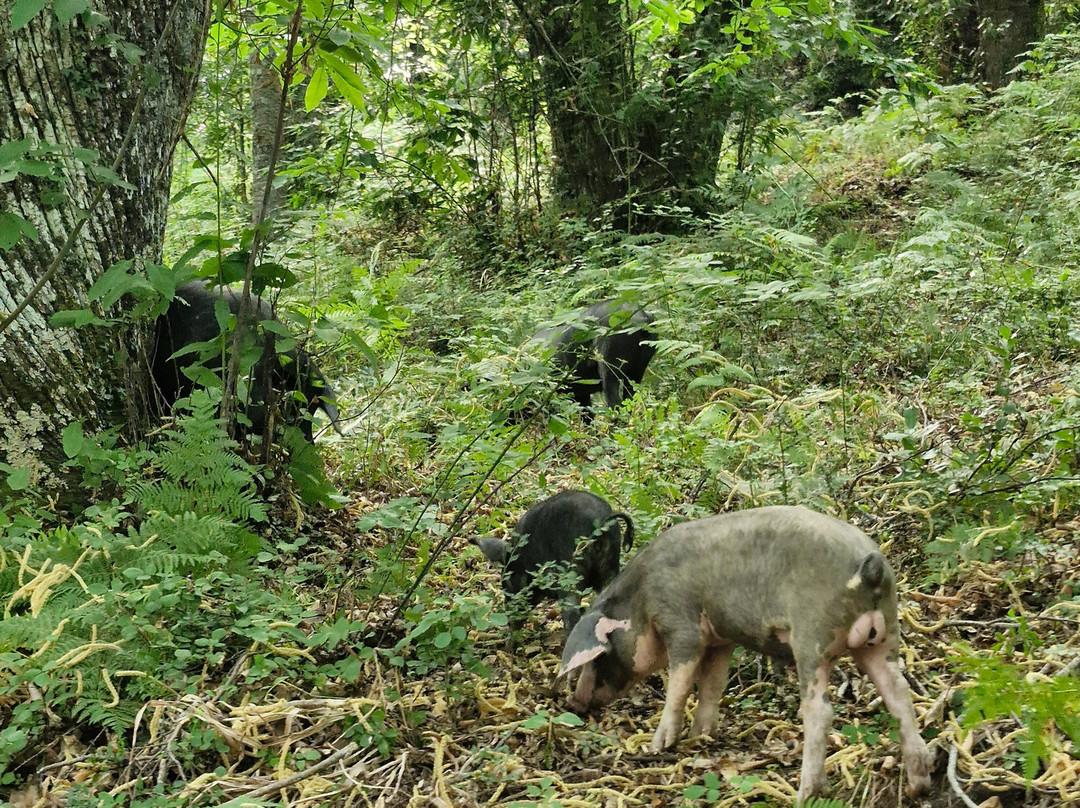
<point x="605" y="626"/>
<point x="581" y="658"/>
<point x="590" y="638"/>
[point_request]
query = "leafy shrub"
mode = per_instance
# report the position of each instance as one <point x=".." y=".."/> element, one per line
<point x="140" y="598"/>
<point x="440" y="636"/>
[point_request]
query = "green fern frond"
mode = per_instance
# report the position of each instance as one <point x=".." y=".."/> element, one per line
<point x="85" y="601"/>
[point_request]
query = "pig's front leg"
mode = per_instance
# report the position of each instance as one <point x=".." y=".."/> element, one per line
<point x="879" y="663"/>
<point x="681" y="677"/>
<point x="817" y="713"/>
<point x="712" y="679"/>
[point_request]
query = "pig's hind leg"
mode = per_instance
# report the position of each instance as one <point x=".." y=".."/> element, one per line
<point x="712" y="679"/>
<point x="817" y="714"/>
<point x="880" y="664"/>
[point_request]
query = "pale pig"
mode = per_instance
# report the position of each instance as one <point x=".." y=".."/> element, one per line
<point x="786" y="581"/>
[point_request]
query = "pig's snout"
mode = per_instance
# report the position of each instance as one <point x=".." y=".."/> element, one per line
<point x="590" y="696"/>
<point x="587" y="704"/>
<point x="576" y="705"/>
<point x="580" y="698"/>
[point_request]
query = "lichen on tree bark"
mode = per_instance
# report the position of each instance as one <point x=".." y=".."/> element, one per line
<point x="71" y="86"/>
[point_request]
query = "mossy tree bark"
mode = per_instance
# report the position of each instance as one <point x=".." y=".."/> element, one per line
<point x="71" y="86"/>
<point x="627" y="136"/>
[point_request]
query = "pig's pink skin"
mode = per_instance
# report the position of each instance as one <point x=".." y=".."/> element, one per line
<point x="582" y="658"/>
<point x="605" y="626"/>
<point x="587" y="696"/>
<point x="650" y="655"/>
<point x="867" y="630"/>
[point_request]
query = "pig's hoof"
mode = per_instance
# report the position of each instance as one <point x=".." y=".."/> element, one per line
<point x="812" y="786"/>
<point x="665" y="737"/>
<point x="918" y="773"/>
<point x="704" y="725"/>
<point x="917" y="784"/>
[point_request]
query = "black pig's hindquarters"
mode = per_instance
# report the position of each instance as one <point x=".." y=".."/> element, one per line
<point x="191" y="319"/>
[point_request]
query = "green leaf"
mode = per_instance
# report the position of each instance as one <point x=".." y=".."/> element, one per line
<point x="116" y="282"/>
<point x="348" y="83"/>
<point x="557" y="426"/>
<point x="107" y="176"/>
<point x="161" y="278"/>
<point x="75" y="318"/>
<point x="85" y="155"/>
<point x="350" y="669"/>
<point x="12" y="740"/>
<point x="65" y="10"/>
<point x="13" y="150"/>
<point x="568" y="720"/>
<point x="316" y="89"/>
<point x="17" y="479"/>
<point x="72" y="439"/>
<point x="33" y="168"/>
<point x="535" y="722"/>
<point x="12" y="228"/>
<point x="911" y="418"/>
<point x="722" y="379"/>
<point x="23" y="11"/>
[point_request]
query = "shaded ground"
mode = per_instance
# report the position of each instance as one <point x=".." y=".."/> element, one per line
<point x="452" y="738"/>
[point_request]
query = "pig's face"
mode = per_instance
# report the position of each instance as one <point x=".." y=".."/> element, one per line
<point x="602" y="672"/>
<point x="600" y="682"/>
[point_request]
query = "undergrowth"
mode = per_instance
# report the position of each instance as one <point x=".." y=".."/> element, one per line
<point x="884" y="330"/>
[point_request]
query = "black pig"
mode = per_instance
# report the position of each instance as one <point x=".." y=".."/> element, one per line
<point x="574" y="528"/>
<point x="597" y="357"/>
<point x="789" y="582"/>
<point x="191" y="319"/>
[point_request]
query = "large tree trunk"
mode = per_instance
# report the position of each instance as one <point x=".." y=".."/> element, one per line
<point x="68" y="86"/>
<point x="621" y="141"/>
<point x="582" y="49"/>
<point x="1007" y="28"/>
<point x="678" y="127"/>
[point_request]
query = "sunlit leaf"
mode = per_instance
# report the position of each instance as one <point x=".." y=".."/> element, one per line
<point x="23" y="11"/>
<point x="316" y="89"/>
<point x="65" y="10"/>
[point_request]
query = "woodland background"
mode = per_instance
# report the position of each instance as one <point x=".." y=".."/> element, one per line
<point x="856" y="224"/>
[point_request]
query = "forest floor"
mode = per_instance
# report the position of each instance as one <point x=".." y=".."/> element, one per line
<point x="503" y="739"/>
<point x="894" y="346"/>
<point x="453" y="737"/>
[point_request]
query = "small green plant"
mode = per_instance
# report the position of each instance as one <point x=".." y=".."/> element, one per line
<point x="542" y="793"/>
<point x="707" y="791"/>
<point x="1002" y="690"/>
<point x="860" y="734"/>
<point x="142" y="597"/>
<point x="439" y="637"/>
<point x="542" y="719"/>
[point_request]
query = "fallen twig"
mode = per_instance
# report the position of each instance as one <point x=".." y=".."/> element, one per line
<point x="951" y="773"/>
